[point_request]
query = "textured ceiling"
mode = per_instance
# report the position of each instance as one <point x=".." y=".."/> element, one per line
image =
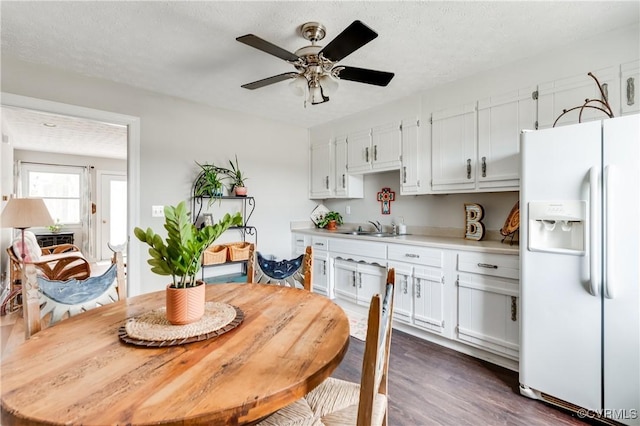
<point x="188" y="49"/>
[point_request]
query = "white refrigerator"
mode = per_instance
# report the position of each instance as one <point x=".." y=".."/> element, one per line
<point x="580" y="291"/>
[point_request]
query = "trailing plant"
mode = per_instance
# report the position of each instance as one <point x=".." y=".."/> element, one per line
<point x="328" y="217"/>
<point x="180" y="254"/>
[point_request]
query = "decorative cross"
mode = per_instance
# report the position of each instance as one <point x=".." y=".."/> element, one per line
<point x="386" y="196"/>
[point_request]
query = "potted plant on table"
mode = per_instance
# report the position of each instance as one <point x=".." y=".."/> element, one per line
<point x="180" y="256"/>
<point x="237" y="179"/>
<point x="330" y="221"/>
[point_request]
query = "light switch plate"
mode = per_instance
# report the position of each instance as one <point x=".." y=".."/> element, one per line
<point x="157" y="211"/>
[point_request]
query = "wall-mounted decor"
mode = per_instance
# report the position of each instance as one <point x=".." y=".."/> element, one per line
<point x="386" y="196"/>
<point x="473" y="215"/>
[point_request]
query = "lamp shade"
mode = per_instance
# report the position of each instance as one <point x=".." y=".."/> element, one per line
<point x="24" y="213"/>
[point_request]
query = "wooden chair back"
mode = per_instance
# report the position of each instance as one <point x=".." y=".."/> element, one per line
<point x="38" y="303"/>
<point x="375" y="365"/>
<point x="302" y="277"/>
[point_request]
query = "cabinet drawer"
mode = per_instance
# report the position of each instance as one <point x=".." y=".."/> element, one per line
<point x="412" y="254"/>
<point x="320" y="243"/>
<point x="496" y="265"/>
<point x="359" y="248"/>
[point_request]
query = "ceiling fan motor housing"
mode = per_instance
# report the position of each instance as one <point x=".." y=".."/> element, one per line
<point x="313" y="31"/>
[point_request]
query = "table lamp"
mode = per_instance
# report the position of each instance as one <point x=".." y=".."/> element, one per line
<point x="23" y="213"/>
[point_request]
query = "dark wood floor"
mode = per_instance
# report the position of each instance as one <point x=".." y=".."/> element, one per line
<point x="433" y="385"/>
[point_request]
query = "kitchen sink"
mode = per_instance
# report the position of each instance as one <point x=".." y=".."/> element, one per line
<point x="369" y="233"/>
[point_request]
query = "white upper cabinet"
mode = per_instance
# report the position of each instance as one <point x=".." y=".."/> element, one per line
<point x="558" y="95"/>
<point x="415" y="170"/>
<point x="630" y="87"/>
<point x="376" y="149"/>
<point x="500" y="121"/>
<point x="346" y="185"/>
<point x="321" y="173"/>
<point x="453" y="148"/>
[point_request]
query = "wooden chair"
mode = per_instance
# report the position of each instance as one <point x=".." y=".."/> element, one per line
<point x="296" y="272"/>
<point x="340" y="403"/>
<point x="57" y="262"/>
<point x="48" y="301"/>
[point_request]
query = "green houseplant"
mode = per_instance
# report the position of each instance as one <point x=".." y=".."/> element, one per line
<point x="237" y="178"/>
<point x="330" y="220"/>
<point x="209" y="181"/>
<point x="180" y="254"/>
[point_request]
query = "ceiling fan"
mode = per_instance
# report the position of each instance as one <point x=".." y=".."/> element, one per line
<point x="317" y="73"/>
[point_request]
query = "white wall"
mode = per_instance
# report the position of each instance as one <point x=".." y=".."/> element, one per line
<point x="447" y="211"/>
<point x="174" y="134"/>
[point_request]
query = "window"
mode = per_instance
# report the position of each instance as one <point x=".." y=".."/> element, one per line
<point x="60" y="186"/>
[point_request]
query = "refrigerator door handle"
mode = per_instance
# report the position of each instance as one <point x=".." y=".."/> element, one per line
<point x="609" y="184"/>
<point x="593" y="230"/>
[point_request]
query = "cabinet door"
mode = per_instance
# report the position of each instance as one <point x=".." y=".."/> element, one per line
<point x="359" y="152"/>
<point x="321" y="180"/>
<point x="385" y="147"/>
<point x="630" y="87"/>
<point x="370" y="280"/>
<point x="500" y="121"/>
<point x="346" y="185"/>
<point x="428" y="298"/>
<point x="454" y="148"/>
<point x="321" y="274"/>
<point x="299" y="244"/>
<point x="345" y="282"/>
<point x="488" y="313"/>
<point x="403" y="293"/>
<point x="558" y="95"/>
<point x="413" y="159"/>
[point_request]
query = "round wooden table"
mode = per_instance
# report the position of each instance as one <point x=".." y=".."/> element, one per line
<point x="79" y="372"/>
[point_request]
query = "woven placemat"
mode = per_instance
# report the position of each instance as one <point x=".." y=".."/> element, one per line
<point x="152" y="328"/>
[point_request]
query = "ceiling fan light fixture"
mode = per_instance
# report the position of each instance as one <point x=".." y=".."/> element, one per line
<point x="316" y="96"/>
<point x="329" y="84"/>
<point x="299" y="86"/>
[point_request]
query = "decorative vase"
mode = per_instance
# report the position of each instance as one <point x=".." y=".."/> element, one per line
<point x="240" y="191"/>
<point x="332" y="226"/>
<point x="185" y="305"/>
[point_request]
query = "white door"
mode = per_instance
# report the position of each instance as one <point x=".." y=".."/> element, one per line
<point x="112" y="227"/>
<point x="621" y="272"/>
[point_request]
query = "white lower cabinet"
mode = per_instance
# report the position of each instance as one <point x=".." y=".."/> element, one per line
<point x="321" y="273"/>
<point x="358" y="282"/>
<point x="488" y="302"/>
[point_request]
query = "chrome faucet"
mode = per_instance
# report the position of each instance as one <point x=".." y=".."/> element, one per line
<point x="376" y="225"/>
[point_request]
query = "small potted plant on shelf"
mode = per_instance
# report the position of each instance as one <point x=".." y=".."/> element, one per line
<point x="330" y="221"/>
<point x="180" y="256"/>
<point x="209" y="181"/>
<point x="237" y="179"/>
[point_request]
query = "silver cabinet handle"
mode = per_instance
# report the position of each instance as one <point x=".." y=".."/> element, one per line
<point x="366" y="154"/>
<point x="484" y="166"/>
<point x="605" y="92"/>
<point x="360" y="279"/>
<point x="514" y="308"/>
<point x="324" y="267"/>
<point x="319" y="244"/>
<point x="631" y="91"/>
<point x="412" y="255"/>
<point x="404" y="174"/>
<point x="353" y="276"/>
<point x="418" y="289"/>
<point x="487" y="265"/>
<point x="469" y="168"/>
<point x="344" y="185"/>
<point x="327" y="182"/>
<point x="375" y="153"/>
<point x="405" y="288"/>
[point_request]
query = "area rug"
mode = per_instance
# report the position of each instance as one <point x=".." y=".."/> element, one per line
<point x="357" y="325"/>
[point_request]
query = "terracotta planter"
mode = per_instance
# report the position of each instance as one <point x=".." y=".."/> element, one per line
<point x="240" y="191"/>
<point x="185" y="305"/>
<point x="332" y="226"/>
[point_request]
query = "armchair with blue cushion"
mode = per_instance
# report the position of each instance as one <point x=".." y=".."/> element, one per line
<point x="296" y="272"/>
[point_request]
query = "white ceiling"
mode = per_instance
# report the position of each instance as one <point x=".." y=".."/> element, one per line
<point x="188" y="49"/>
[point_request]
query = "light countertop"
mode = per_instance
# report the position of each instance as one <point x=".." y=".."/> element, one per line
<point x="414" y="239"/>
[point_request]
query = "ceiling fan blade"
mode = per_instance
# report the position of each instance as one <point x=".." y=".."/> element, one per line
<point x="270" y="80"/>
<point x="363" y="75"/>
<point x="348" y="41"/>
<point x="265" y="46"/>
